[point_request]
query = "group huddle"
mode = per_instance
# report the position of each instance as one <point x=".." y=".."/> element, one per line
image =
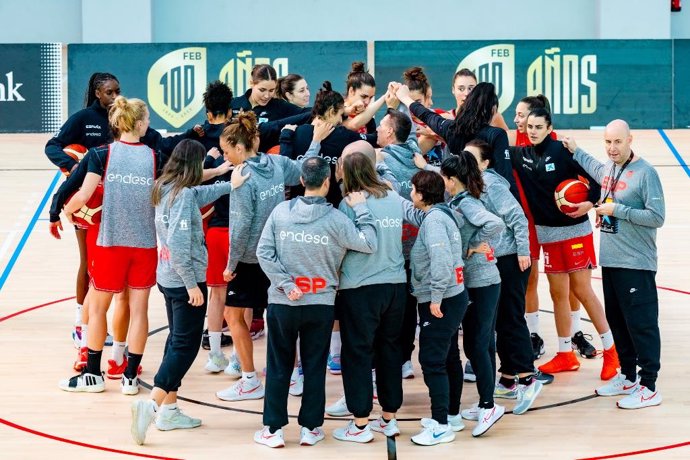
<point x="353" y="238"/>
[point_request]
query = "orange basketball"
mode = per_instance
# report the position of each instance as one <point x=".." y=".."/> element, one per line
<point x="275" y="150"/>
<point x="570" y="192"/>
<point x="90" y="213"/>
<point x="76" y="152"/>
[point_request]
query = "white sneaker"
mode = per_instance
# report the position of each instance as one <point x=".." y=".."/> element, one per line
<point x="297" y="383"/>
<point x="83" y="383"/>
<point x="407" y="370"/>
<point x="434" y="434"/>
<point x="216" y="362"/>
<point x="471" y="414"/>
<point x="389" y="429"/>
<point x="243" y="389"/>
<point x="175" y="419"/>
<point x="454" y="421"/>
<point x="233" y="369"/>
<point x="375" y="398"/>
<point x="310" y="437"/>
<point x="338" y="409"/>
<point x="526" y="395"/>
<point x="468" y="374"/>
<point x="264" y="436"/>
<point x="640" y="398"/>
<point x="143" y="413"/>
<point x="129" y="387"/>
<point x="618" y="385"/>
<point x="487" y="418"/>
<point x="353" y="434"/>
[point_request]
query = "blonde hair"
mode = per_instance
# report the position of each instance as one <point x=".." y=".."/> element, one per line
<point x="125" y="113"/>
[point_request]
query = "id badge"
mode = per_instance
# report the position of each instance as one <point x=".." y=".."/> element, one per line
<point x="609" y="224"/>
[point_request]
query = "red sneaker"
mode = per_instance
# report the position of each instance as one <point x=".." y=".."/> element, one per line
<point x="564" y="361"/>
<point x="80" y="363"/>
<point x="611" y="364"/>
<point x="115" y="372"/>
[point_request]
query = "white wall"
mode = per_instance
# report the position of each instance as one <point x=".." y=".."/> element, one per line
<point x="127" y="21"/>
<point x="25" y="21"/>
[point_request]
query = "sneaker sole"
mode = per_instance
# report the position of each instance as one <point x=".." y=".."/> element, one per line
<point x="639" y="407"/>
<point x="97" y="389"/>
<point x="439" y="441"/>
<point x="392" y="435"/>
<point x="358" y="441"/>
<point x="240" y="398"/>
<point x="174" y="427"/>
<point x="339" y="414"/>
<point x="334" y="371"/>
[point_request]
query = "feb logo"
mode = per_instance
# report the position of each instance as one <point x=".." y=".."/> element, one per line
<point x="176" y="84"/>
<point x="494" y="64"/>
<point x="566" y="80"/>
<point x="237" y="72"/>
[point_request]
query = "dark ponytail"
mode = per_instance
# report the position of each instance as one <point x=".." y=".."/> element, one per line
<point x="464" y="167"/>
<point x="537" y="102"/>
<point x="326" y="99"/>
<point x="359" y="77"/>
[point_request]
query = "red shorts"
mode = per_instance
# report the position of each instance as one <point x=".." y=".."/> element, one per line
<point x="218" y="244"/>
<point x="117" y="267"/>
<point x="91" y="237"/>
<point x="570" y="255"/>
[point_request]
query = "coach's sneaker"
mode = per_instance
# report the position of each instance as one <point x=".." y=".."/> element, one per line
<point x="265" y="437"/>
<point x="640" y="398"/>
<point x="433" y="434"/>
<point x="503" y="392"/>
<point x="564" y="361"/>
<point x="389" y="428"/>
<point x="296" y="382"/>
<point x="487" y="418"/>
<point x="471" y="413"/>
<point x="83" y="383"/>
<point x="526" y="395"/>
<point x="143" y="413"/>
<point x="243" y="389"/>
<point x="538" y="349"/>
<point x="617" y="386"/>
<point x="454" y="421"/>
<point x="469" y="373"/>
<point x="233" y="369"/>
<point x="544" y="378"/>
<point x="580" y="344"/>
<point x="338" y="409"/>
<point x="353" y="434"/>
<point x="216" y="362"/>
<point x="129" y="387"/>
<point x="80" y="363"/>
<point x="175" y="419"/>
<point x="333" y="364"/>
<point x="407" y="370"/>
<point x="310" y="437"/>
<point x="611" y="364"/>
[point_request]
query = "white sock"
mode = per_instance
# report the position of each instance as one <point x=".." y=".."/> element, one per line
<point x="84" y="330"/>
<point x="77" y="318"/>
<point x="168" y="407"/>
<point x="564" y="344"/>
<point x="532" y="322"/>
<point x="607" y="339"/>
<point x="214" y="342"/>
<point x="118" y="352"/>
<point x="249" y="376"/>
<point x="154" y="406"/>
<point x="574" y="322"/>
<point x="336" y="344"/>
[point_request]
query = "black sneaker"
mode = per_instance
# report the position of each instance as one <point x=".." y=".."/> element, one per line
<point x="225" y="340"/>
<point x="581" y="344"/>
<point x="545" y="379"/>
<point x="537" y="346"/>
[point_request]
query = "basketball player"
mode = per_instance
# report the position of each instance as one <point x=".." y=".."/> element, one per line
<point x="464" y="81"/>
<point x="294" y="89"/>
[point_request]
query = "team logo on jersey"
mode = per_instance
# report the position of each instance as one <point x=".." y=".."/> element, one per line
<point x="566" y="80"/>
<point x="494" y="64"/>
<point x="176" y="84"/>
<point x="237" y="72"/>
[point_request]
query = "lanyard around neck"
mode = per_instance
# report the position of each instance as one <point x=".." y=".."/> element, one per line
<point x="614" y="184"/>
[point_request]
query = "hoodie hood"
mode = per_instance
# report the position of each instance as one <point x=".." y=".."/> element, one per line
<point x="403" y="153"/>
<point x="491" y="177"/>
<point x="307" y="209"/>
<point x="261" y="165"/>
<point x="457" y="218"/>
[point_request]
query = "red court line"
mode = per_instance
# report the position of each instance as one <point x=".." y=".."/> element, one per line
<point x="639" y="452"/>
<point x="81" y="444"/>
<point x="5" y="318"/>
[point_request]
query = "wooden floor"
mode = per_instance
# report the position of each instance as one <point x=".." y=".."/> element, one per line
<point x="39" y="420"/>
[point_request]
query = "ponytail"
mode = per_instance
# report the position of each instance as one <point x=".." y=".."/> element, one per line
<point x="125" y="113"/>
<point x="464" y="167"/>
<point x="243" y="130"/>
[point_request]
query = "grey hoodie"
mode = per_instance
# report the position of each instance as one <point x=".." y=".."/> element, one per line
<point x="436" y="257"/>
<point x="499" y="201"/>
<point x="251" y="204"/>
<point x="480" y="226"/>
<point x="387" y="264"/>
<point x="182" y="258"/>
<point x="400" y="159"/>
<point x="303" y="245"/>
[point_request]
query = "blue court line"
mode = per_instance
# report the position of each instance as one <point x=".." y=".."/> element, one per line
<point x="27" y="232"/>
<point x="674" y="151"/>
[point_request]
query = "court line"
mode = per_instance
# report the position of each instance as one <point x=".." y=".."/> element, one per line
<point x="674" y="151"/>
<point x="639" y="452"/>
<point x="20" y="247"/>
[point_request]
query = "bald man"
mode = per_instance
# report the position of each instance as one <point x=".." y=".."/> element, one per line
<point x="366" y="148"/>
<point x="629" y="212"/>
